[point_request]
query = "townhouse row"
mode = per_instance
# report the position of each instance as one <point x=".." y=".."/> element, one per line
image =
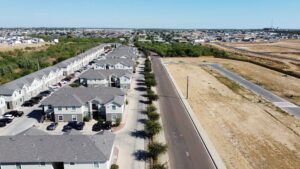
<point x="15" y="93"/>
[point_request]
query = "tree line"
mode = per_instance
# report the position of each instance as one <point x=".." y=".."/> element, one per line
<point x="180" y="49"/>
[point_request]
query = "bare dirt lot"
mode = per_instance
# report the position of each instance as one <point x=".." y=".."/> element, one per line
<point x="284" y="86"/>
<point x="248" y="132"/>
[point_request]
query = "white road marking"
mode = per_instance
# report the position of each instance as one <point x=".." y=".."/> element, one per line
<point x="284" y="104"/>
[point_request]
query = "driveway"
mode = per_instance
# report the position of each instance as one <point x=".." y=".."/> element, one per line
<point x="130" y="140"/>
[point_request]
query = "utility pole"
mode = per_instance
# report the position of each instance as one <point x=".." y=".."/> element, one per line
<point x="187" y="87"/>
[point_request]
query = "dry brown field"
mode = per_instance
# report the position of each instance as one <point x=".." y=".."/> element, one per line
<point x="247" y="131"/>
<point x="38" y="46"/>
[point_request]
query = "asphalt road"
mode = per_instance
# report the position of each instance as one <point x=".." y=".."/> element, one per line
<point x="185" y="147"/>
<point x="278" y="101"/>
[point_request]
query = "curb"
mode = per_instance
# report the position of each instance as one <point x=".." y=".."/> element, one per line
<point x="164" y="159"/>
<point x="218" y="162"/>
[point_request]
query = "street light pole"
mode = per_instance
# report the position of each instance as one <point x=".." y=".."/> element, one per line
<point x="187" y="87"/>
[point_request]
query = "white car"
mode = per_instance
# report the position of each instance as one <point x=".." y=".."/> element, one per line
<point x="9" y="116"/>
<point x="63" y="82"/>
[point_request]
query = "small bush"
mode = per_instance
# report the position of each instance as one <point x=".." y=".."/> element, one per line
<point x="114" y="166"/>
<point x="87" y="118"/>
<point x="118" y="122"/>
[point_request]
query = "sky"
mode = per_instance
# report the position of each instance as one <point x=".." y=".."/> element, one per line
<point x="202" y="14"/>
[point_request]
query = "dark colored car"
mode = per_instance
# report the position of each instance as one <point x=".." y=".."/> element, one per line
<point x="15" y="113"/>
<point x="70" y="126"/>
<point x="5" y="120"/>
<point x="45" y="93"/>
<point x="2" y="124"/>
<point x="79" y="126"/>
<point x="28" y="104"/>
<point x="102" y="126"/>
<point x="107" y="125"/>
<point x="97" y="127"/>
<point x="52" y="126"/>
<point x="34" y="100"/>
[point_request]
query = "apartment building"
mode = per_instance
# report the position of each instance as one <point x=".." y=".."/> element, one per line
<point x="35" y="149"/>
<point x="106" y="78"/>
<point x="73" y="104"/>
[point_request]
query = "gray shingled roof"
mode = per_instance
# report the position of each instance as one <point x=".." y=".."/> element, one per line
<point x="56" y="148"/>
<point x="121" y="51"/>
<point x="126" y="62"/>
<point x="92" y="74"/>
<point x="68" y="96"/>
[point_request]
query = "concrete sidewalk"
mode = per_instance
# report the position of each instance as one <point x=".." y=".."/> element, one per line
<point x="129" y="138"/>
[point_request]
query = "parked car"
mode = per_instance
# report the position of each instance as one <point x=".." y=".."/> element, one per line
<point x="34" y="101"/>
<point x="2" y="124"/>
<point x="15" y="113"/>
<point x="9" y="116"/>
<point x="37" y="98"/>
<point x="102" y="126"/>
<point x="52" y="126"/>
<point x="28" y="104"/>
<point x="70" y="126"/>
<point x="45" y="93"/>
<point x="107" y="125"/>
<point x="5" y="120"/>
<point x="97" y="127"/>
<point x="80" y="125"/>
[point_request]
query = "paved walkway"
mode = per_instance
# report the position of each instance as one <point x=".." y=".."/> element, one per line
<point x="130" y="140"/>
<point x="276" y="100"/>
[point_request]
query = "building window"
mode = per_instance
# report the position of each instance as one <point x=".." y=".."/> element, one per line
<point x="18" y="166"/>
<point x="42" y="163"/>
<point x="59" y="108"/>
<point x="73" y="108"/>
<point x="60" y="117"/>
<point x="74" y="117"/>
<point x="72" y="163"/>
<point x="96" y="164"/>
<point x="113" y="107"/>
<point x="66" y="108"/>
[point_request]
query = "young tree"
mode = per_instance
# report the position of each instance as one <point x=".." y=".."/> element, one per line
<point x="156" y="149"/>
<point x="153" y="116"/>
<point x="159" y="166"/>
<point x="151" y="108"/>
<point x="152" y="128"/>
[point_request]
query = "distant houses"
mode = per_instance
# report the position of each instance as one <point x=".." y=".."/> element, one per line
<point x="73" y="104"/>
<point x="106" y="78"/>
<point x="34" y="148"/>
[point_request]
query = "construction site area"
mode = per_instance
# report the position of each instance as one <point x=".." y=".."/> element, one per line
<point x="247" y="131"/>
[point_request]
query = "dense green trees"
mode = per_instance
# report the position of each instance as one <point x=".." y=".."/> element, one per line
<point x="180" y="49"/>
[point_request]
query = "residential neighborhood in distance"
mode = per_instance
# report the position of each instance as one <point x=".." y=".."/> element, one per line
<point x="185" y="84"/>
